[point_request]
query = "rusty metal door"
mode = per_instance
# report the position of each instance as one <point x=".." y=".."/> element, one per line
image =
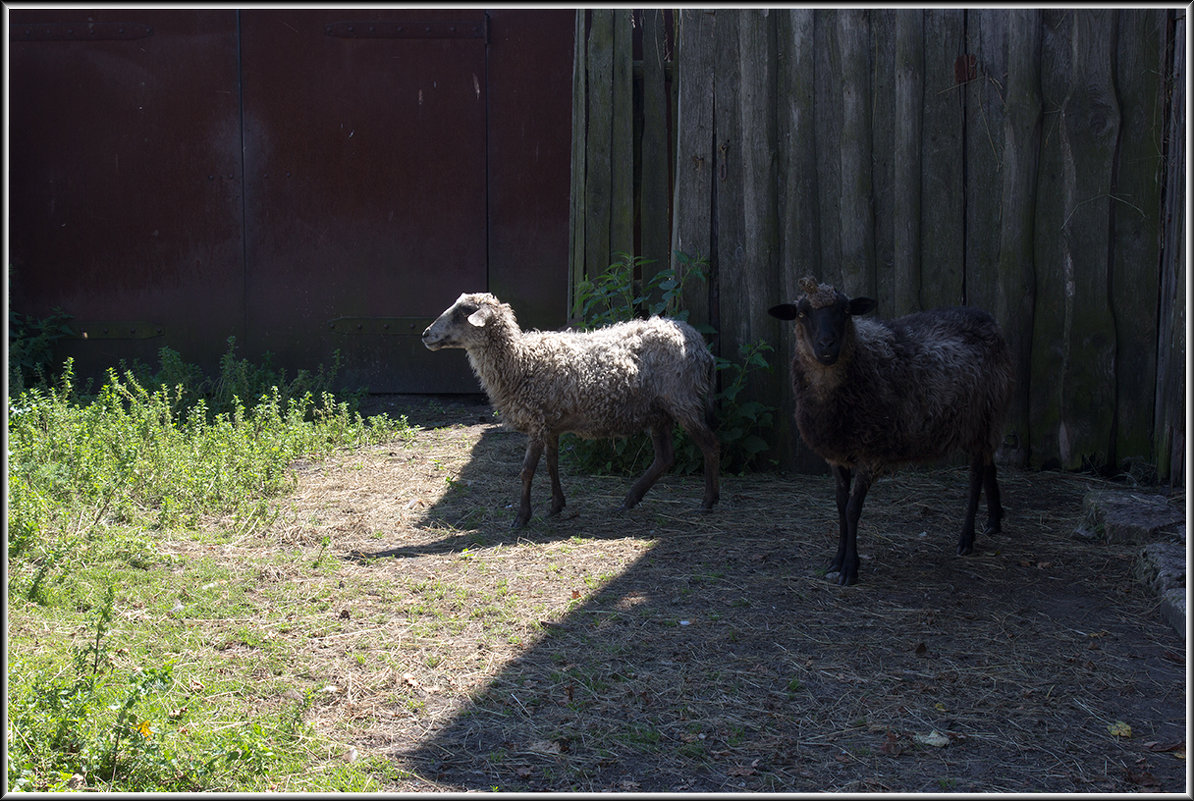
<point x="125" y="201"/>
<point x="365" y="186"/>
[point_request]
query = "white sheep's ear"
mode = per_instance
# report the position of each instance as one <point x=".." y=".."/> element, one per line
<point x="480" y="317"/>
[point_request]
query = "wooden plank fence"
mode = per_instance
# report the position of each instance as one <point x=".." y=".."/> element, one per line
<point x="1030" y="162"/>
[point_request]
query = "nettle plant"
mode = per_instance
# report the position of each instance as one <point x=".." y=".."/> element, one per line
<point x="624" y="292"/>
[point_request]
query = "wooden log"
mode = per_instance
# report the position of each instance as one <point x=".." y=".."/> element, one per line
<point x="885" y="194"/>
<point x="577" y="216"/>
<point x="907" y="167"/>
<point x="800" y="246"/>
<point x="621" y="228"/>
<point x="1021" y="136"/>
<point x="692" y="218"/>
<point x="856" y="217"/>
<point x="1089" y="133"/>
<point x="1136" y="227"/>
<point x="599" y="135"/>
<point x="654" y="194"/>
<point x="1170" y="409"/>
<point x="1049" y="332"/>
<point x="943" y="194"/>
<point x="828" y="122"/>
<point x="987" y="44"/>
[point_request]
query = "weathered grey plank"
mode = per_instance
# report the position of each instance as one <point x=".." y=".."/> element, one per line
<point x="1089" y="131"/>
<point x="800" y="245"/>
<point x="908" y="126"/>
<point x="599" y="140"/>
<point x="987" y="35"/>
<point x="1021" y="136"/>
<point x="884" y="193"/>
<point x="621" y="233"/>
<point x="857" y="222"/>
<point x="942" y="205"/>
<point x="1136" y="225"/>
<point x="1170" y="434"/>
<point x="828" y="122"/>
<point x="1049" y="330"/>
<point x="692" y="216"/>
<point x="577" y="216"/>
<point x="654" y="191"/>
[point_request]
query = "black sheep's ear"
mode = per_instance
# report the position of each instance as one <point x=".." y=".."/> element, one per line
<point x="859" y="306"/>
<point x="784" y="311"/>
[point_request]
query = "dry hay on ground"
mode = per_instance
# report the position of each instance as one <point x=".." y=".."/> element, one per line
<point x="663" y="649"/>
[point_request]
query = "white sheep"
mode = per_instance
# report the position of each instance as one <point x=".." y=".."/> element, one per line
<point x="873" y="394"/>
<point x="611" y="382"/>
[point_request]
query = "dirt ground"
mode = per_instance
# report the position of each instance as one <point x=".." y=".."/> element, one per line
<point x="663" y="650"/>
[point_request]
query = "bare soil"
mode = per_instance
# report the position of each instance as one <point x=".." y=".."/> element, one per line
<point x="664" y="649"/>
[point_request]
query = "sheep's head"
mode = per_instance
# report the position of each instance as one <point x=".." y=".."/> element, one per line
<point x="822" y="316"/>
<point x="465" y="322"/>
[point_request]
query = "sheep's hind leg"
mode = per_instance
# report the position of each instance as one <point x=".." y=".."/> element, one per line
<point x="994" y="505"/>
<point x="977" y="471"/>
<point x="661" y="438"/>
<point x="529" y="463"/>
<point x="706" y="440"/>
<point x="553" y="468"/>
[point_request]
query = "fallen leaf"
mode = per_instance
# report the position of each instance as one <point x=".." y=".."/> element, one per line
<point x="409" y="679"/>
<point x="934" y="739"/>
<point x="1120" y="729"/>
<point x="921" y="649"/>
<point x="743" y="770"/>
<point x="1142" y="777"/>
<point x="575" y="594"/>
<point x="544" y="747"/>
<point x="891" y="745"/>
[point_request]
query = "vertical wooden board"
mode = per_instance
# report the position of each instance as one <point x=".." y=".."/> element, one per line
<point x="728" y="214"/>
<point x="1021" y="137"/>
<point x="654" y="231"/>
<point x="942" y="157"/>
<point x="598" y="200"/>
<point x="907" y="166"/>
<point x="1048" y="321"/>
<point x="577" y="216"/>
<point x="1090" y="129"/>
<point x="800" y="243"/>
<point x="1170" y="411"/>
<point x="798" y="210"/>
<point x="755" y="290"/>
<point x="987" y="43"/>
<point x="621" y="224"/>
<point x="857" y="225"/>
<point x="884" y="195"/>
<point x="1136" y="221"/>
<point x="692" y="217"/>
<point x="828" y="123"/>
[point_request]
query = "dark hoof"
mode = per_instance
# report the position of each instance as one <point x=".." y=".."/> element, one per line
<point x="520" y="522"/>
<point x="992" y="527"/>
<point x="965" y="548"/>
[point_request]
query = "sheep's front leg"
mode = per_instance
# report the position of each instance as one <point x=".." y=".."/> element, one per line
<point x="553" y="468"/>
<point x="849" y="507"/>
<point x="529" y="463"/>
<point x="661" y="438"/>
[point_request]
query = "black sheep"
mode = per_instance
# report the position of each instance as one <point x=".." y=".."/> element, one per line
<point x="871" y="395"/>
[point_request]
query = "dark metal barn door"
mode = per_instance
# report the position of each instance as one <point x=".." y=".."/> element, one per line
<point x="365" y="187"/>
<point x="124" y="179"/>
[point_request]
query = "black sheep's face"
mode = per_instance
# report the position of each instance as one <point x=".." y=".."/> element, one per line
<point x="823" y="329"/>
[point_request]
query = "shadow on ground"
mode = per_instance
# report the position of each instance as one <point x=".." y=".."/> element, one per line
<point x="719" y="659"/>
